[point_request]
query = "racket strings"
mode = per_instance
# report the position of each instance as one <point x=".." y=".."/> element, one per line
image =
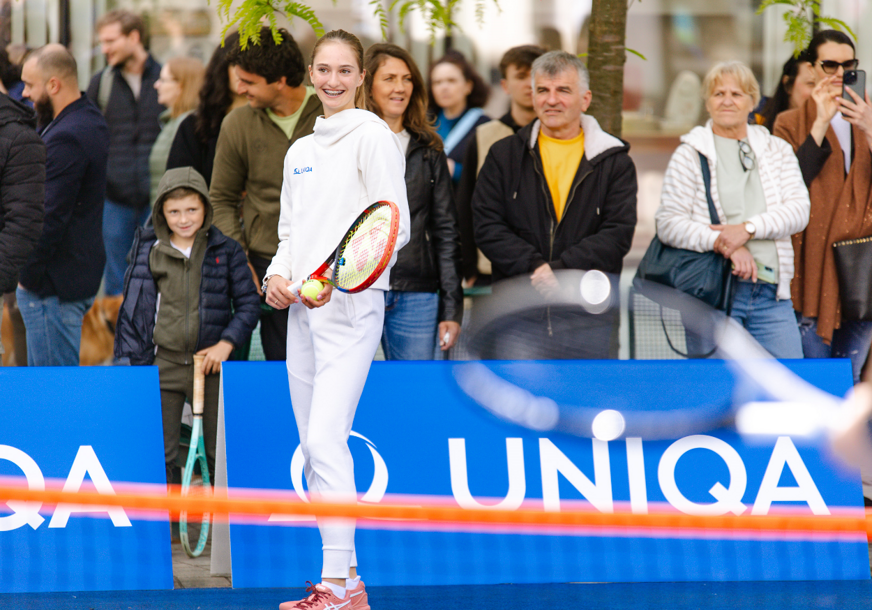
<point x="194" y="529"/>
<point x="363" y="250"/>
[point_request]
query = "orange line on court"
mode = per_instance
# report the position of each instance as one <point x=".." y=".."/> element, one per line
<point x="221" y="505"/>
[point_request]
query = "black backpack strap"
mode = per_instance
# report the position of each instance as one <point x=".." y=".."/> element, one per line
<point x="707" y="180"/>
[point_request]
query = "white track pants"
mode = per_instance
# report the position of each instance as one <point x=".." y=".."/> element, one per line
<point x="330" y="350"/>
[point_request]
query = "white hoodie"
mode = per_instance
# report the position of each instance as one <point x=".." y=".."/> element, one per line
<point x="350" y="161"/>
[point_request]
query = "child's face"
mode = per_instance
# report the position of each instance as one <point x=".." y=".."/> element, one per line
<point x="184" y="216"/>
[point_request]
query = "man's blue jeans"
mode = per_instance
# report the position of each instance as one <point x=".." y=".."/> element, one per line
<point x="54" y="328"/>
<point x="852" y="341"/>
<point x="119" y="225"/>
<point x="411" y="323"/>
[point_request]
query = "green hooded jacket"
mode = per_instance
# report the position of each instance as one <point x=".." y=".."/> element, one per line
<point x="178" y="277"/>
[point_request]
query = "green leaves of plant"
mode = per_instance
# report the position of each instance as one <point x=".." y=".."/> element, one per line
<point x="800" y="21"/>
<point x="249" y="16"/>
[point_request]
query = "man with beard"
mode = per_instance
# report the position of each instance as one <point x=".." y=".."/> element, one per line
<point x="62" y="275"/>
<point x="124" y="91"/>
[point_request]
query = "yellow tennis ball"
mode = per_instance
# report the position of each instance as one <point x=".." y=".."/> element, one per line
<point x="311" y="289"/>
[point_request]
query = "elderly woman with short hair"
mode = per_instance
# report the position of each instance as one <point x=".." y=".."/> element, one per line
<point x="761" y="200"/>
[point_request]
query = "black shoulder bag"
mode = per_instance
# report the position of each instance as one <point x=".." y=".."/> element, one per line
<point x="706" y="276"/>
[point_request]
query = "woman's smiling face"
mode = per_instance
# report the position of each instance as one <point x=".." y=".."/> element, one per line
<point x="392" y="88"/>
<point x="336" y="76"/>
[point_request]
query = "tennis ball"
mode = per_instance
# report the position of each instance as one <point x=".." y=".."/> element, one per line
<point x="311" y="289"/>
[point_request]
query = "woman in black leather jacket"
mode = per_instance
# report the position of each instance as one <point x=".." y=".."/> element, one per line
<point x="425" y="303"/>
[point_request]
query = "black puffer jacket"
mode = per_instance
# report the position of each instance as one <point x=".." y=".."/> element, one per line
<point x="22" y="188"/>
<point x="133" y="127"/>
<point x="430" y="262"/>
<point x="228" y="307"/>
<point x="515" y="223"/>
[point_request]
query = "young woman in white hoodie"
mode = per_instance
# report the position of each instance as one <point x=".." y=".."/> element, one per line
<point x="350" y="161"/>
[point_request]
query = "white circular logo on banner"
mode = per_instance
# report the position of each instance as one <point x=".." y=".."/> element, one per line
<point x="376" y="489"/>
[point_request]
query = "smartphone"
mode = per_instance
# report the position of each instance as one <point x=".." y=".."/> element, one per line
<point x="855" y="80"/>
<point x="766" y="274"/>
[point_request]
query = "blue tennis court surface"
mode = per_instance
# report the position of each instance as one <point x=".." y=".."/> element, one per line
<point x="841" y="595"/>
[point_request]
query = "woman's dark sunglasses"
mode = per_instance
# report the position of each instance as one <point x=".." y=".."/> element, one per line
<point x="831" y="67"/>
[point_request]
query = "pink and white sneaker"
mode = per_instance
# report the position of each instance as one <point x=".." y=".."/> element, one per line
<point x="358" y="597"/>
<point x="322" y="598"/>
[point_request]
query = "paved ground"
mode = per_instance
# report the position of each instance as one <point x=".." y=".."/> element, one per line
<point x="194" y="573"/>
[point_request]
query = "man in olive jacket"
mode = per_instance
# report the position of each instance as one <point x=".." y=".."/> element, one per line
<point x="250" y="155"/>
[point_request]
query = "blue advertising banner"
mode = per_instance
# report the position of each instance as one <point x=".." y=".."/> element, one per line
<point x="416" y="434"/>
<point x="85" y="428"/>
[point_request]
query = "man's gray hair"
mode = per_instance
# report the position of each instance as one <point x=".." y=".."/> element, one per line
<point x="556" y="62"/>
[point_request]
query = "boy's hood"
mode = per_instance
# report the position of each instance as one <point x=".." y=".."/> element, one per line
<point x="179" y="177"/>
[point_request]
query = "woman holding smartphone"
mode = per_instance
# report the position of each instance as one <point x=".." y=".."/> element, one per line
<point x="350" y="161"/>
<point x="832" y="137"/>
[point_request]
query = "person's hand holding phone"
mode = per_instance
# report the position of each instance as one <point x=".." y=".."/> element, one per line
<point x="854" y="104"/>
<point x="857" y="111"/>
<point x="827" y="107"/>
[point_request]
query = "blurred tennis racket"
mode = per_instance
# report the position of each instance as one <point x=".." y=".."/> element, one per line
<point x="762" y="398"/>
<point x="364" y="252"/>
<point x="196" y="486"/>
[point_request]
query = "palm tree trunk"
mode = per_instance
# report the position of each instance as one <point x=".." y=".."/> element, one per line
<point x="606" y="57"/>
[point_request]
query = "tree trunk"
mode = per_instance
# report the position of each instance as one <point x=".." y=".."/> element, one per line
<point x="449" y="31"/>
<point x="605" y="62"/>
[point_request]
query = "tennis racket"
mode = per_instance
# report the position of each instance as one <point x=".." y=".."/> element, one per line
<point x="192" y="486"/>
<point x="773" y="400"/>
<point x="364" y="252"/>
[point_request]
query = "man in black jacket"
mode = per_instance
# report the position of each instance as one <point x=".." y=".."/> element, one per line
<point x="22" y="189"/>
<point x="124" y="91"/>
<point x="559" y="194"/>
<point x="515" y="71"/>
<point x="62" y="274"/>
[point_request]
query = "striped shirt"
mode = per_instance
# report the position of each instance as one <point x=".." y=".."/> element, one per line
<point x="683" y="217"/>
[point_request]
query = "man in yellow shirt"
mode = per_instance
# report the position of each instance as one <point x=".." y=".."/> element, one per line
<point x="559" y="194"/>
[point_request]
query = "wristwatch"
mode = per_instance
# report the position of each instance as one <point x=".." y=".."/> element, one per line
<point x="265" y="282"/>
<point x="750" y="228"/>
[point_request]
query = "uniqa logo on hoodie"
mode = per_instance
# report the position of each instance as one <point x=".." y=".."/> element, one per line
<point x="302" y="170"/>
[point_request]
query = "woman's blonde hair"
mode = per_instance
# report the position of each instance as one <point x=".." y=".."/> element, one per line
<point x="737" y="70"/>
<point x="189" y="73"/>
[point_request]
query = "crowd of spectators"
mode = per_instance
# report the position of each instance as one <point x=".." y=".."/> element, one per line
<point x="89" y="193"/>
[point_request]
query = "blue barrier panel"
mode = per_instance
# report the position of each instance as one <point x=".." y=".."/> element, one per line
<point x="417" y="434"/>
<point x="89" y="428"/>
